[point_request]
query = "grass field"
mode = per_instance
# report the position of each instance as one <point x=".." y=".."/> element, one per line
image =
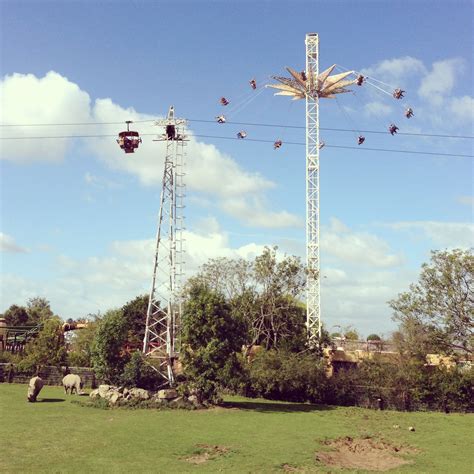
<point x="55" y="435"/>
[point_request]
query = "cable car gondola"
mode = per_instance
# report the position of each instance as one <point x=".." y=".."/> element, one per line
<point x="129" y="140"/>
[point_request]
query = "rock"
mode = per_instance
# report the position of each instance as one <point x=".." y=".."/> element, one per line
<point x="194" y="400"/>
<point x="396" y="427"/>
<point x="167" y="393"/>
<point x="114" y="397"/>
<point x="139" y="393"/>
<point x="411" y="428"/>
<point x="177" y="401"/>
<point x="103" y="389"/>
<point x="126" y="392"/>
<point x="94" y="394"/>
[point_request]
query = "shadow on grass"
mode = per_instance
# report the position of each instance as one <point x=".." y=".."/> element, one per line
<point x="51" y="400"/>
<point x="275" y="407"/>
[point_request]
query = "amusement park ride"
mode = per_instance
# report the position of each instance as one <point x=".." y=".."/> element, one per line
<point x="161" y="339"/>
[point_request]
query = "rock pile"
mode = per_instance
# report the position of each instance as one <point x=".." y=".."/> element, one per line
<point x="123" y="396"/>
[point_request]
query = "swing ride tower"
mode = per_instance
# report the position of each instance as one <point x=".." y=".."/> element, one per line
<point x="312" y="86"/>
<point x="161" y="340"/>
<point x="313" y="290"/>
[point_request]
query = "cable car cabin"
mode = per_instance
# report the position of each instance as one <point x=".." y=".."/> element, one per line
<point x="129" y="141"/>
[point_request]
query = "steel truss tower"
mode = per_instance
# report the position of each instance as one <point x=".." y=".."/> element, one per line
<point x="313" y="294"/>
<point x="312" y="85"/>
<point x="161" y="340"/>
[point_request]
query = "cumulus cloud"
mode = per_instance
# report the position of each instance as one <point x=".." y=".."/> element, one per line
<point x="443" y="234"/>
<point x="8" y="244"/>
<point x="439" y="82"/>
<point x="27" y="99"/>
<point x="377" y="109"/>
<point x="356" y="247"/>
<point x="395" y="69"/>
<point x="55" y="99"/>
<point x="253" y="212"/>
<point x="462" y="108"/>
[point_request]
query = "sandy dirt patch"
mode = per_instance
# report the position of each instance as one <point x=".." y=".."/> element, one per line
<point x="364" y="453"/>
<point x="206" y="453"/>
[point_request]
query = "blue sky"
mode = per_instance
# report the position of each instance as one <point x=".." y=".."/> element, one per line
<point x="78" y="216"/>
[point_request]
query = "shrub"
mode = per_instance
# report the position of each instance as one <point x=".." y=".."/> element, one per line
<point x="279" y="375"/>
<point x="138" y="373"/>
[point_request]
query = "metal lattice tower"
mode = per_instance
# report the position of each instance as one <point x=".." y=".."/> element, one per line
<point x="313" y="294"/>
<point x="312" y="85"/>
<point x="161" y="340"/>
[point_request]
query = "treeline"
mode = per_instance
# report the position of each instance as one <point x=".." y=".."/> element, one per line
<point x="233" y="306"/>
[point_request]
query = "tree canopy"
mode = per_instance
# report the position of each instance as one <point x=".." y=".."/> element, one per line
<point x="437" y="313"/>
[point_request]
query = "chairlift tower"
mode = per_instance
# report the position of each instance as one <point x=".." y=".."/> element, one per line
<point x="161" y="340"/>
<point x="312" y="86"/>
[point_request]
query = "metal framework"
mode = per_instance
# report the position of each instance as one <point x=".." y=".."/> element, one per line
<point x="312" y="86"/>
<point x="161" y="340"/>
<point x="313" y="294"/>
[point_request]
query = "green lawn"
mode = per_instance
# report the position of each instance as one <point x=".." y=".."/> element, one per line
<point x="55" y="435"/>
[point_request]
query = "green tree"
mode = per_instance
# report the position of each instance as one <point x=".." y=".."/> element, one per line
<point x="108" y="356"/>
<point x="438" y="311"/>
<point x="264" y="292"/>
<point x="211" y="339"/>
<point x="134" y="312"/>
<point x="80" y="354"/>
<point x="48" y="347"/>
<point x="38" y="309"/>
<point x="16" y="316"/>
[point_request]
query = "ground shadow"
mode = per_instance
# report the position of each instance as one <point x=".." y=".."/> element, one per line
<point x="51" y="400"/>
<point x="275" y="407"/>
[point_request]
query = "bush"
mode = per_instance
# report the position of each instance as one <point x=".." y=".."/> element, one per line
<point x="279" y="375"/>
<point x="138" y="373"/>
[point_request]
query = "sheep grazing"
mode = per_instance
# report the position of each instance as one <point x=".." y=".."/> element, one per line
<point x="34" y="388"/>
<point x="72" y="382"/>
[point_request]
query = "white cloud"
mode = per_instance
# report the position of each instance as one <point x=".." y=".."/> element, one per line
<point x="362" y="248"/>
<point x="443" y="234"/>
<point x="27" y="99"/>
<point x="396" y="69"/>
<point x="54" y="99"/>
<point x="8" y="244"/>
<point x="377" y="109"/>
<point x="439" y="82"/>
<point x="253" y="212"/>
<point x="462" y="108"/>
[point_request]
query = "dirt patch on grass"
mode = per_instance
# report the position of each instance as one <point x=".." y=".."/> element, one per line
<point x="206" y="452"/>
<point x="364" y="453"/>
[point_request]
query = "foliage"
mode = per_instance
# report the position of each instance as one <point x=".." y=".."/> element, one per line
<point x="107" y="355"/>
<point x="16" y="316"/>
<point x="48" y="347"/>
<point x="211" y="338"/>
<point x="374" y="337"/>
<point x="282" y="375"/>
<point x="437" y="313"/>
<point x="38" y="309"/>
<point x="134" y="313"/>
<point x="137" y="373"/>
<point x="80" y="354"/>
<point x="265" y="293"/>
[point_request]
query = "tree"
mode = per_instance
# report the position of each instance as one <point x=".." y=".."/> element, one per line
<point x="38" y="309"/>
<point x="80" y="354"/>
<point x="437" y="313"/>
<point x="211" y="340"/>
<point x="134" y="312"/>
<point x="265" y="293"/>
<point x="48" y="347"/>
<point x="107" y="355"/>
<point x="16" y="316"/>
